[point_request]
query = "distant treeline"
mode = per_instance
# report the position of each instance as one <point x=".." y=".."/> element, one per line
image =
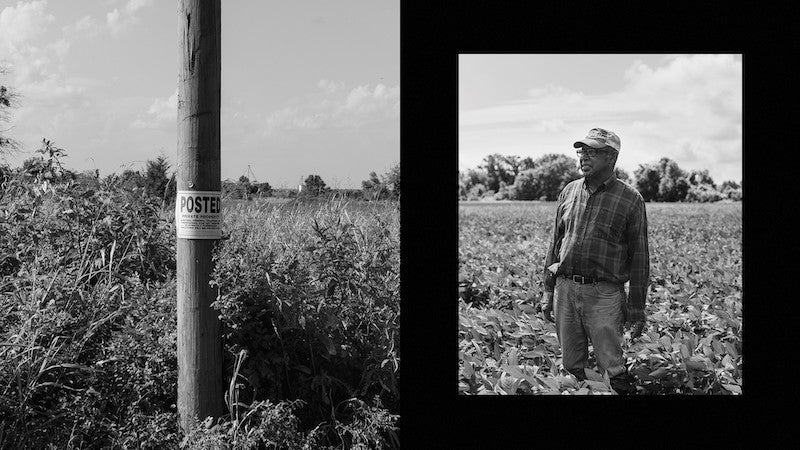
<point x="513" y="178"/>
<point x="158" y="180"/>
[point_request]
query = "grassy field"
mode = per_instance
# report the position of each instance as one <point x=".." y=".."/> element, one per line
<point x="309" y="299"/>
<point x="692" y="340"/>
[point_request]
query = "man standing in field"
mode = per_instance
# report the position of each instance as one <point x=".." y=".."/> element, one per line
<point x="599" y="243"/>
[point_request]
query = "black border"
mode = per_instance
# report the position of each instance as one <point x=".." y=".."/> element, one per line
<point x="431" y="38"/>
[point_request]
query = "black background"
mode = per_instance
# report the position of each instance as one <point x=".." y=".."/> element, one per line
<point x="433" y="415"/>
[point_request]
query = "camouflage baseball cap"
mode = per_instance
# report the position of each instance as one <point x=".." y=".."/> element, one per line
<point x="599" y="138"/>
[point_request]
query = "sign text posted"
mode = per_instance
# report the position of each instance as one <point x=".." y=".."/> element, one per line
<point x="197" y="214"/>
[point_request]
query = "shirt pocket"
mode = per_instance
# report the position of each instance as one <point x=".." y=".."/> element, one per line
<point x="609" y="224"/>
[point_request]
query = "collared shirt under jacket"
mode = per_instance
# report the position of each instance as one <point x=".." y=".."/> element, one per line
<point x="602" y="235"/>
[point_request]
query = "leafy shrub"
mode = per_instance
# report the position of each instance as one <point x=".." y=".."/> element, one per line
<point x="88" y="317"/>
<point x="96" y="368"/>
<point x="477" y="192"/>
<point x="271" y="425"/>
<point x="314" y="186"/>
<point x="735" y="194"/>
<point x="88" y="320"/>
<point x="84" y="231"/>
<point x="157" y="182"/>
<point x="703" y="193"/>
<point x="316" y="304"/>
<point x="263" y="424"/>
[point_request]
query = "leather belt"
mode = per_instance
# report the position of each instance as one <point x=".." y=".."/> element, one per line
<point x="581" y="279"/>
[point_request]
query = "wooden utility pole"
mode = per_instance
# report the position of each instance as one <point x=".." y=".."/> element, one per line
<point x="200" y="389"/>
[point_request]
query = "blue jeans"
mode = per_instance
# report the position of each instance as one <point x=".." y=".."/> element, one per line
<point x="586" y="312"/>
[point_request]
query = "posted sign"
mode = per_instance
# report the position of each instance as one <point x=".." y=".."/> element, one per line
<point x="197" y="214"/>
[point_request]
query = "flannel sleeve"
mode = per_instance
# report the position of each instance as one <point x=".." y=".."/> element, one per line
<point x="639" y="263"/>
<point x="552" y="252"/>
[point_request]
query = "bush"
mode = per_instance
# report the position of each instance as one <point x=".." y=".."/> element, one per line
<point x="88" y="320"/>
<point x="314" y="186"/>
<point x="546" y="179"/>
<point x="374" y="188"/>
<point x="274" y="425"/>
<point x="731" y="190"/>
<point x="703" y="193"/>
<point x="735" y="194"/>
<point x="316" y="305"/>
<point x="477" y="192"/>
<point x="525" y="186"/>
<point x="157" y="182"/>
<point x="88" y="317"/>
<point x="265" y="423"/>
<point x="506" y="192"/>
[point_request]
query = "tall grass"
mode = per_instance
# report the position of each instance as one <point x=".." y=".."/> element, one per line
<point x="88" y="321"/>
<point x="311" y="291"/>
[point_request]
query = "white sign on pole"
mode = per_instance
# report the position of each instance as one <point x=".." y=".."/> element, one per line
<point x="197" y="214"/>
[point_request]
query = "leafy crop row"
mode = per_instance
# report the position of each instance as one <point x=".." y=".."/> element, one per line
<point x="692" y="341"/>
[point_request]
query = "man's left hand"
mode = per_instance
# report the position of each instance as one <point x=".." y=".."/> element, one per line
<point x="636" y="328"/>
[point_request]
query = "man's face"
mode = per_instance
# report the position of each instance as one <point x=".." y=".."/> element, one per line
<point x="594" y="161"/>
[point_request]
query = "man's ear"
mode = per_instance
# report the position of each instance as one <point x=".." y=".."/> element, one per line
<point x="613" y="160"/>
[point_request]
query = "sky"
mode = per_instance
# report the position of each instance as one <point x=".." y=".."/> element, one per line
<point x="309" y="87"/>
<point x="684" y="107"/>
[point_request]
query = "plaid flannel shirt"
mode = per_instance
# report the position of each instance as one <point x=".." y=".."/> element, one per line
<point x="602" y="235"/>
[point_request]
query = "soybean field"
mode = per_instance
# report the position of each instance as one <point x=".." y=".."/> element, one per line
<point x="692" y="341"/>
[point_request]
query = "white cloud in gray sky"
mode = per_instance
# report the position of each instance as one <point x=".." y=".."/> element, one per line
<point x="689" y="109"/>
<point x="21" y="23"/>
<point x="36" y="69"/>
<point x="119" y="20"/>
<point x="161" y="114"/>
<point x="330" y="108"/>
<point x="86" y="27"/>
<point x="361" y="106"/>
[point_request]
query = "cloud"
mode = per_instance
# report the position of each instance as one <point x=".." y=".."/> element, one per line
<point x="161" y="114"/>
<point x="165" y="109"/>
<point x="363" y="100"/>
<point x="553" y="90"/>
<point x="85" y="27"/>
<point x="687" y="107"/>
<point x="32" y="61"/>
<point x="541" y="105"/>
<point x="690" y="88"/>
<point x="119" y="20"/>
<point x="550" y="126"/>
<point x="60" y="48"/>
<point x="709" y="83"/>
<point x="363" y="105"/>
<point x="114" y="22"/>
<point x="22" y="23"/>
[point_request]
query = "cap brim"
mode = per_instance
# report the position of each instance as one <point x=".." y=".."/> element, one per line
<point x="589" y="142"/>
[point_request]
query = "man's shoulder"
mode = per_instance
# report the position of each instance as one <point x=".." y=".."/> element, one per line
<point x="572" y="186"/>
<point x="627" y="191"/>
<point x="570" y="190"/>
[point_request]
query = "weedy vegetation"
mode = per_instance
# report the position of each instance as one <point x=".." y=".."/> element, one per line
<point x="692" y="343"/>
<point x="309" y="297"/>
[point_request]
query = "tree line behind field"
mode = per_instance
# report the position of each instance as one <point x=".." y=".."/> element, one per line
<point x="158" y="180"/>
<point x="502" y="177"/>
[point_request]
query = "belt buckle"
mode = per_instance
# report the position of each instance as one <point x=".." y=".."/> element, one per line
<point x="575" y="279"/>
